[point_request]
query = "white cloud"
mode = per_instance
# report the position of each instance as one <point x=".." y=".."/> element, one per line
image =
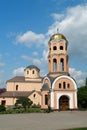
<point x="74" y="26"/>
<point x="37" y="62"/>
<point x="28" y="38"/>
<point x="45" y="54"/>
<point x="25" y="57"/>
<point x="57" y="16"/>
<point x="19" y="71"/>
<point x="35" y="53"/>
<point x="2" y="83"/>
<point x="78" y="75"/>
<point x="1" y="73"/>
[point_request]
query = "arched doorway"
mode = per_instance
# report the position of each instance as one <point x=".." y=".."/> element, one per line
<point x="64" y="103"/>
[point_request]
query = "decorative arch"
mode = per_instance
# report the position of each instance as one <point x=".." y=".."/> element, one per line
<point x="70" y="101"/>
<point x="45" y="79"/>
<point x="64" y="76"/>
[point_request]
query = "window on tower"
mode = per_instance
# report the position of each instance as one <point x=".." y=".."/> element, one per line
<point x="33" y="72"/>
<point x="61" y="47"/>
<point x="54" y="48"/>
<point x="62" y="64"/>
<point x="54" y="65"/>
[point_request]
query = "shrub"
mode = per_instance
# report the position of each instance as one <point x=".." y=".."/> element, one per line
<point x="2" y="108"/>
<point x="36" y="106"/>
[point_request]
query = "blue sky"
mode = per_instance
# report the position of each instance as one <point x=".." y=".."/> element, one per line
<point x="25" y="28"/>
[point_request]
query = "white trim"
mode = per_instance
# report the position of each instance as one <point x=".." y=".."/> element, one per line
<point x="70" y="96"/>
<point x="52" y="99"/>
<point x="76" y="99"/>
<point x="47" y="79"/>
<point x="64" y="76"/>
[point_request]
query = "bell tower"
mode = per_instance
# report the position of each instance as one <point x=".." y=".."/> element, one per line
<point x="58" y="55"/>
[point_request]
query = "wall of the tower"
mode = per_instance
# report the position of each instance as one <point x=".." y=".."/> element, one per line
<point x="58" y="56"/>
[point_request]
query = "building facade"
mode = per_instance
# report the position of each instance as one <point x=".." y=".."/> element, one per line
<point x="57" y="89"/>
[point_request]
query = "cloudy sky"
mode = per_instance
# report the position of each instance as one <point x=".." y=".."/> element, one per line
<point x="27" y="25"/>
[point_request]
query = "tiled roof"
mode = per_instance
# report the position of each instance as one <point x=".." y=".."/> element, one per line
<point x="17" y="79"/>
<point x="17" y="94"/>
<point x="2" y="90"/>
<point x="22" y="79"/>
<point x="51" y="78"/>
<point x="45" y="87"/>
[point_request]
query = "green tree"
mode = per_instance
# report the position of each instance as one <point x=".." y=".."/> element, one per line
<point x="82" y="97"/>
<point x="2" y="108"/>
<point x="86" y="82"/>
<point x="24" y="102"/>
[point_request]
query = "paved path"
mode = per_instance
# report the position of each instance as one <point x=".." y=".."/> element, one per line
<point x="43" y="121"/>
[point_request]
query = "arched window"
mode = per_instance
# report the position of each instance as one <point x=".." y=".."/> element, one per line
<point x="61" y="47"/>
<point x="54" y="65"/>
<point x="59" y="85"/>
<point x="46" y="99"/>
<point x="64" y="85"/>
<point x="27" y="72"/>
<point x="54" y="48"/>
<point x="68" y="85"/>
<point x="34" y="95"/>
<point x="33" y="72"/>
<point x="16" y="87"/>
<point x="62" y="64"/>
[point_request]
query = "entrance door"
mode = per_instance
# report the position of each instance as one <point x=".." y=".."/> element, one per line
<point x="64" y="103"/>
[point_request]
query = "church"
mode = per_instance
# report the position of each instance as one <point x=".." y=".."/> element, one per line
<point x="57" y="89"/>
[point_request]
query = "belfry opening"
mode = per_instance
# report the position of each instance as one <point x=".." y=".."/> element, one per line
<point x="54" y="65"/>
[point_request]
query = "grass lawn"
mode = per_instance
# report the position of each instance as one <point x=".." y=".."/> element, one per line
<point x="78" y="129"/>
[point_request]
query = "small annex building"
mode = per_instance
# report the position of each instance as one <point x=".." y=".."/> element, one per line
<point x="57" y="89"/>
<point x="28" y="85"/>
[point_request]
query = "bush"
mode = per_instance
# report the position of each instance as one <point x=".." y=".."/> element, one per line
<point x="24" y="102"/>
<point x="36" y="106"/>
<point x="82" y="97"/>
<point x="21" y="110"/>
<point x="2" y="108"/>
<point x="33" y="110"/>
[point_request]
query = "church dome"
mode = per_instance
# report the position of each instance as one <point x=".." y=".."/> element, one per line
<point x="57" y="36"/>
<point x="32" y="67"/>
